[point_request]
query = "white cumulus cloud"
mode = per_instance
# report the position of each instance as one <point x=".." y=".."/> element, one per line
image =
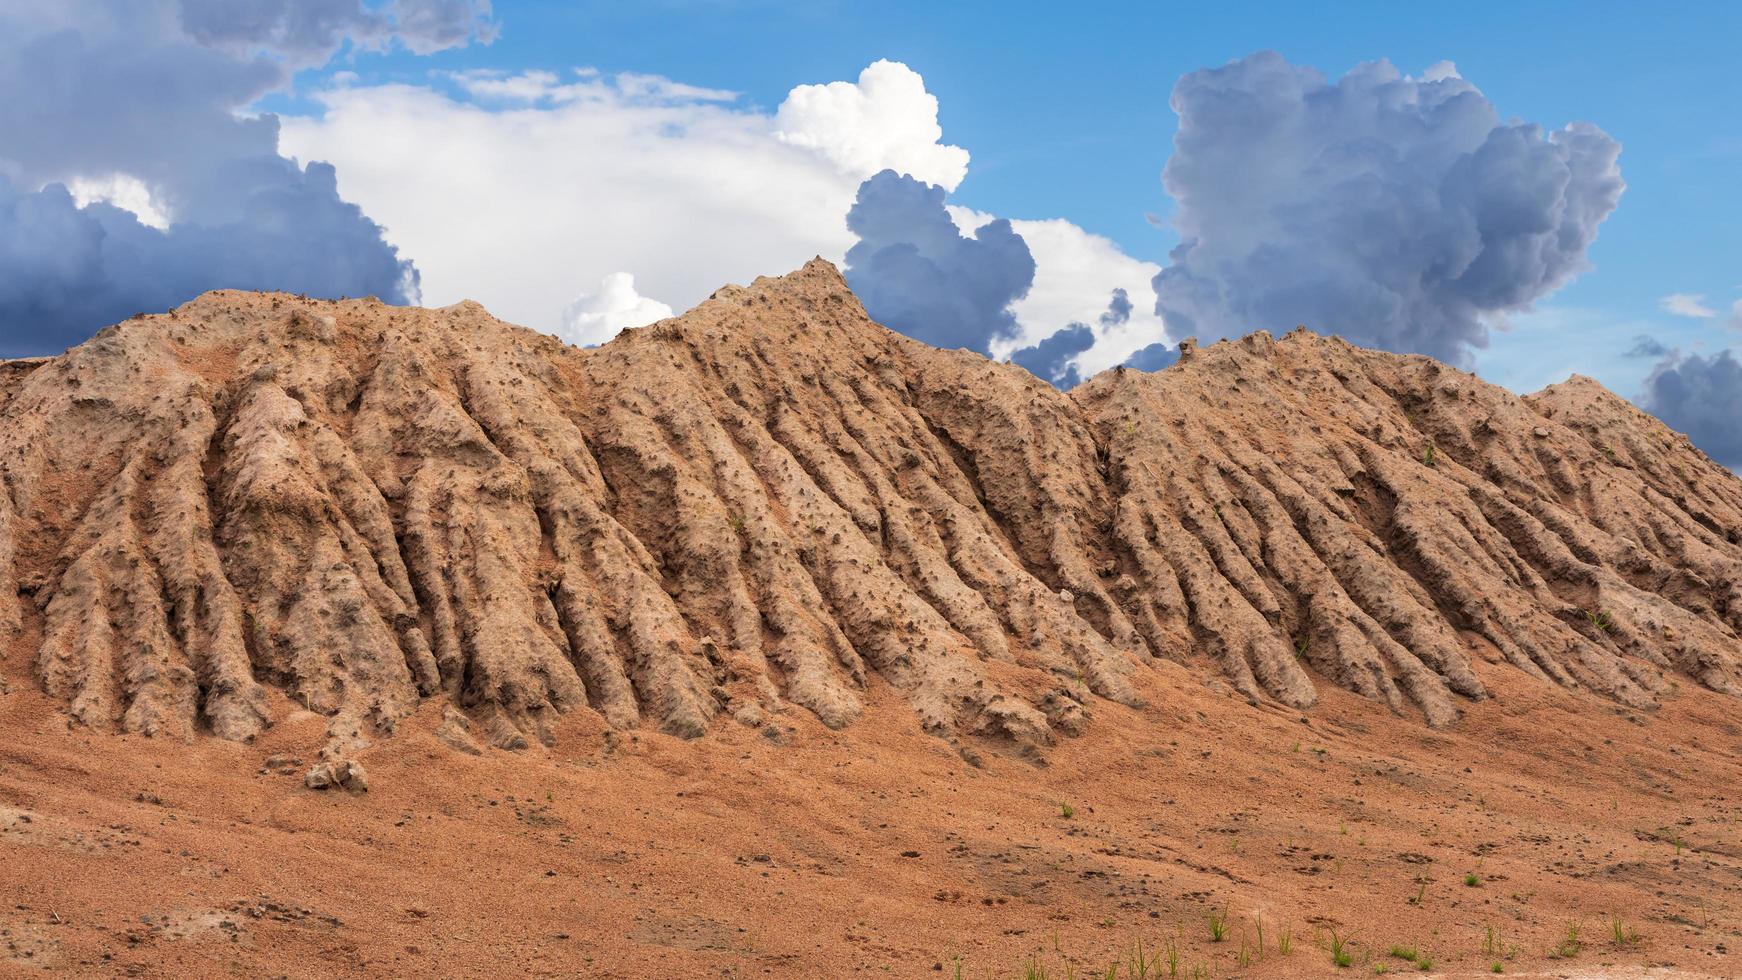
<point x="885" y="120"/>
<point x="124" y="191"/>
<point x="598" y="316"/>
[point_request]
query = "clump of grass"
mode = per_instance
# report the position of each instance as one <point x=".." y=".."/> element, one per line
<point x="1498" y="967"/>
<point x="1600" y="619"/>
<point x="1258" y="924"/>
<point x="1138" y="964"/>
<point x="1284" y="940"/>
<point x="1218" y="923"/>
<point x="1621" y="934"/>
<point x="1471" y="881"/>
<point x="1424" y="964"/>
<point x="1340" y="954"/>
<point x="1173" y="957"/>
<point x="1402" y="953"/>
<point x="1420" y="893"/>
<point x="1427" y="456"/>
<point x="1569" y="945"/>
<point x="1490" y="940"/>
<point x="1067" y="811"/>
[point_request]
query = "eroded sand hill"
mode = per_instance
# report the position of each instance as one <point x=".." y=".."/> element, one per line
<point x="770" y="500"/>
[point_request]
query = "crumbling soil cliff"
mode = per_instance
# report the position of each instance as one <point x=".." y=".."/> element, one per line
<point x="773" y="501"/>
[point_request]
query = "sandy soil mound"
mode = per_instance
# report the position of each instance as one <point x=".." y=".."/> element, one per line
<point x="771" y="500"/>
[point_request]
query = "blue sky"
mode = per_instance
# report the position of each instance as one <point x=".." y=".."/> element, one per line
<point x="518" y="153"/>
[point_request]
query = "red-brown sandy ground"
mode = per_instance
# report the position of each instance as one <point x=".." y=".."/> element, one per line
<point x="876" y="851"/>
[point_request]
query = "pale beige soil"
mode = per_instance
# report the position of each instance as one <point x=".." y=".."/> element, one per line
<point x="764" y="641"/>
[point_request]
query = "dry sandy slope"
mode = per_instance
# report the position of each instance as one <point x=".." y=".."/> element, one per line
<point x="888" y="584"/>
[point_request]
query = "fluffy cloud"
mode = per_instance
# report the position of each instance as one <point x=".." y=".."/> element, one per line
<point x="1059" y="358"/>
<point x="1153" y="357"/>
<point x="1398" y="212"/>
<point x="597" y="317"/>
<point x="1075" y="272"/>
<point x="887" y="120"/>
<point x="135" y="107"/>
<point x="917" y="273"/>
<point x="1701" y="396"/>
<point x="1052" y="359"/>
<point x="1687" y="304"/>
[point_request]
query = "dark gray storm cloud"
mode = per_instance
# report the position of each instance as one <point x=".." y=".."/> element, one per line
<point x="916" y="273"/>
<point x="1050" y="360"/>
<point x="150" y="91"/>
<point x="65" y="270"/>
<point x="1701" y="396"/>
<point x="1398" y="212"/>
<point x="1153" y="357"/>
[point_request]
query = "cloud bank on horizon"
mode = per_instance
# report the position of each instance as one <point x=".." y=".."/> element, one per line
<point x="129" y="183"/>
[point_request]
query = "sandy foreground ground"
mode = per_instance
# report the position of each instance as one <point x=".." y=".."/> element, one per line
<point x="797" y="851"/>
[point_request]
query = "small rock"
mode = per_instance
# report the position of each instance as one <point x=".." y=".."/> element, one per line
<point x="347" y="773"/>
<point x="354" y="778"/>
<point x="1539" y="432"/>
<point x="750" y="716"/>
<point x="319" y="776"/>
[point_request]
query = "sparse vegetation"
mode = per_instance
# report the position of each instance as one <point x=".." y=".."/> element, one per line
<point x="1621" y="934"/>
<point x="1067" y="811"/>
<point x="1401" y="953"/>
<point x="1471" y="880"/>
<point x="1340" y="954"/>
<point x="1569" y="945"/>
<point x="1600" y="619"/>
<point x="1218" y="923"/>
